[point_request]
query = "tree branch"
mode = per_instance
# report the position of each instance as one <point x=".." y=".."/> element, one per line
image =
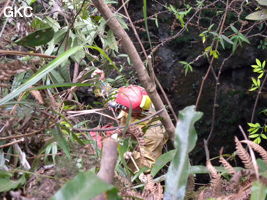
<point x="138" y="65"/>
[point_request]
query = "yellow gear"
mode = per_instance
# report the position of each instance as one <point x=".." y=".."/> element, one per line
<point x="146" y="102"/>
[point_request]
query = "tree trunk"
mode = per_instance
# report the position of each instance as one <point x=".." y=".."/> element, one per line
<point x="138" y="65"/>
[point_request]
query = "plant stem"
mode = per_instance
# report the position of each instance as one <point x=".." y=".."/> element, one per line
<point x="257" y="98"/>
<point x="138" y="65"/>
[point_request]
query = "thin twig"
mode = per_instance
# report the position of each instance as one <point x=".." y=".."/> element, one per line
<point x="119" y="127"/>
<point x="22" y="53"/>
<point x="26" y="135"/>
<point x="74" y="80"/>
<point x="150" y="65"/>
<point x="70" y="27"/>
<point x="217" y="84"/>
<point x="212" y="59"/>
<point x="257" y="98"/>
<point x="129" y="48"/>
<point x="11" y="143"/>
<point x="253" y="157"/>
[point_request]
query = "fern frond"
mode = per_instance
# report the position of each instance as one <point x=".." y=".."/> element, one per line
<point x="258" y="148"/>
<point x="227" y="165"/>
<point x="243" y="155"/>
<point x="215" y="177"/>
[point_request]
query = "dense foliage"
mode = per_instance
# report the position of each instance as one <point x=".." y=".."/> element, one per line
<point x="60" y="73"/>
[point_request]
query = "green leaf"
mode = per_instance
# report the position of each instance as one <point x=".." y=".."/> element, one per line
<point x="61" y="141"/>
<point x="243" y="38"/>
<point x="84" y="186"/>
<point x="6" y="184"/>
<point x="254" y="136"/>
<point x="111" y="42"/>
<point x="37" y="38"/>
<point x="227" y="39"/>
<point x="185" y="140"/>
<point x="38" y="23"/>
<point x="258" y="62"/>
<point x="61" y="85"/>
<point x="40" y="74"/>
<point x="263" y="64"/>
<point x="258" y="191"/>
<point x="255" y="66"/>
<point x="162" y="161"/>
<point x="200" y="169"/>
<point x="257" y="140"/>
<point x="262" y="2"/>
<point x="222" y="42"/>
<point x="102" y="52"/>
<point x="255" y="130"/>
<point x="254" y="125"/>
<point x="253" y="89"/>
<point x="258" y="82"/>
<point x="254" y="81"/>
<point x="234" y="29"/>
<point x="258" y="15"/>
<point x="52" y="23"/>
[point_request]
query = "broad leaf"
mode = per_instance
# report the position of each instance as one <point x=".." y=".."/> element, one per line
<point x="258" y="191"/>
<point x="37" y="38"/>
<point x="262" y="2"/>
<point x="7" y="184"/>
<point x="185" y="140"/>
<point x="40" y="74"/>
<point x="84" y="186"/>
<point x="258" y="15"/>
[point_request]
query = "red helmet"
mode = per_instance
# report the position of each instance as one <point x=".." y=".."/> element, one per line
<point x="132" y="96"/>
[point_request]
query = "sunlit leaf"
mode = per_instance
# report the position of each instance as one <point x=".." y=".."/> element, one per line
<point x="84" y="186"/>
<point x="262" y="2"/>
<point x="40" y="74"/>
<point x="258" y="15"/>
<point x="258" y="62"/>
<point x="253" y="136"/>
<point x="185" y="140"/>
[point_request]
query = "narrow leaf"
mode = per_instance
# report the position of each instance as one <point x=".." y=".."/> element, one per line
<point x="40" y="74"/>
<point x="162" y="161"/>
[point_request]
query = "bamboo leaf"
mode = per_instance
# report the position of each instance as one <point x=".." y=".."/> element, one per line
<point x="102" y="52"/>
<point x="227" y="39"/>
<point x="162" y="161"/>
<point x="40" y="74"/>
